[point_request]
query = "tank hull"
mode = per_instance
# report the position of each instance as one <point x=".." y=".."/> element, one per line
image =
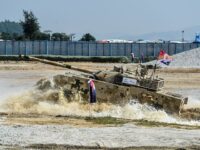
<point x="77" y="86"/>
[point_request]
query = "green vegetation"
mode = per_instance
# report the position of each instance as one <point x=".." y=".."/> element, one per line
<point x="60" y="37"/>
<point x="110" y="121"/>
<point x="13" y="58"/>
<point x="146" y="59"/>
<point x="29" y="29"/>
<point x="10" y="30"/>
<point x="11" y="27"/>
<point x="147" y="123"/>
<point x="106" y="120"/>
<point x="88" y="37"/>
<point x="117" y="121"/>
<point x="116" y="59"/>
<point x="68" y="58"/>
<point x="30" y="25"/>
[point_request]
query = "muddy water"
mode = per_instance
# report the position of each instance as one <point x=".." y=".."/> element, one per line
<point x="193" y="97"/>
<point x="18" y="95"/>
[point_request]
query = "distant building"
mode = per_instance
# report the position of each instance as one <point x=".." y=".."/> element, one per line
<point x="115" y="41"/>
<point x="150" y="41"/>
<point x="178" y="42"/>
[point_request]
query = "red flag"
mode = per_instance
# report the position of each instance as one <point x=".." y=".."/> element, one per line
<point x="164" y="57"/>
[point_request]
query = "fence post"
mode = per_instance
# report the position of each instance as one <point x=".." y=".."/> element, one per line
<point x="88" y="49"/>
<point x="124" y="53"/>
<point x="175" y="48"/>
<point x="67" y="48"/>
<point x="19" y="47"/>
<point x="39" y="48"/>
<point x="96" y="50"/>
<point x="81" y="49"/>
<point x="25" y="48"/>
<point x="139" y="51"/>
<point x="12" y="47"/>
<point x="168" y="49"/>
<point x="60" y="50"/>
<point x="103" y="48"/>
<point x="74" y="48"/>
<point x="110" y="49"/>
<point x="5" y="48"/>
<point x="47" y="47"/>
<point x="131" y="48"/>
<point x="53" y="47"/>
<point x="146" y="50"/>
<point x="33" y="52"/>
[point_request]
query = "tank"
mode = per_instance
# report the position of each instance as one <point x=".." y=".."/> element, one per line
<point x="117" y="86"/>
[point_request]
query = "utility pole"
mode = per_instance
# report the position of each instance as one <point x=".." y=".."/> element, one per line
<point x="72" y="36"/>
<point x="48" y="32"/>
<point x="47" y="43"/>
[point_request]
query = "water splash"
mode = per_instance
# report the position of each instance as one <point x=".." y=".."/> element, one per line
<point x="53" y="102"/>
<point x="193" y="102"/>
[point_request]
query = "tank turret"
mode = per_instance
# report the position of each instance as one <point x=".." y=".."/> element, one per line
<point x="140" y="78"/>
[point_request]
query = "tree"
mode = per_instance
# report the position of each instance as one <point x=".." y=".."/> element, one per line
<point x="30" y="25"/>
<point x="60" y="37"/>
<point x="6" y="36"/>
<point x="42" y="36"/>
<point x="10" y="36"/>
<point x="11" y="27"/>
<point x="87" y="37"/>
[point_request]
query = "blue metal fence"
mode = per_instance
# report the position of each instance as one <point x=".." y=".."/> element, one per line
<point x="90" y="48"/>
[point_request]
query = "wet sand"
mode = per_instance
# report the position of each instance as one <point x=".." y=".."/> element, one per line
<point x="110" y="137"/>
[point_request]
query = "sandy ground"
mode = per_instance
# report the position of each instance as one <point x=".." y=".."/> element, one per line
<point x="48" y="133"/>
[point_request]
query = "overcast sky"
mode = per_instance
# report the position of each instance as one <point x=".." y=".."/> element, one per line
<point x="106" y="17"/>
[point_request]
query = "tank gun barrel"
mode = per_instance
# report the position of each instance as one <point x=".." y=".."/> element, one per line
<point x="59" y="64"/>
